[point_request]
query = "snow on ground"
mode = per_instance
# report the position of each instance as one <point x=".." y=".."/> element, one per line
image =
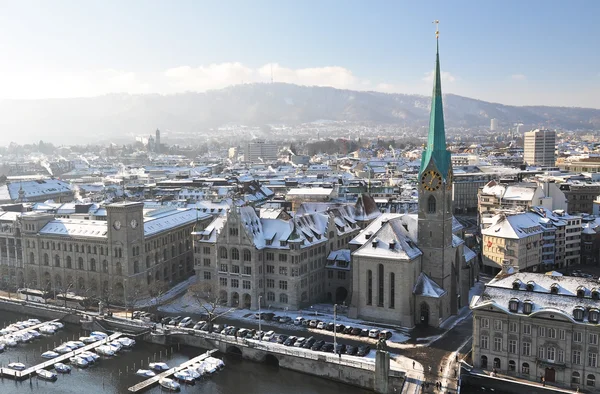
<point x="166" y="296"/>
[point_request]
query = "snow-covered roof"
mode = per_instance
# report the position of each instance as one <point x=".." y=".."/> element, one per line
<point x="210" y="233"/>
<point x="76" y="228"/>
<point x="570" y="293"/>
<point x="426" y="287"/>
<point x="168" y="219"/>
<point x="514" y="226"/>
<point x="393" y="241"/>
<point x="468" y="253"/>
<point x="34" y="189"/>
<point x="314" y="191"/>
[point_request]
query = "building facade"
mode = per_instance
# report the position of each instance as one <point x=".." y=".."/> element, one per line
<point x="539" y="146"/>
<point x="534" y="325"/>
<point x="260" y="151"/>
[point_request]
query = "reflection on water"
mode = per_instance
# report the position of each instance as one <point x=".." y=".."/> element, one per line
<point x="115" y="375"/>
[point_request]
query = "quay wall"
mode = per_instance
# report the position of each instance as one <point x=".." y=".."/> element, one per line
<point x="41" y="311"/>
<point x="317" y="364"/>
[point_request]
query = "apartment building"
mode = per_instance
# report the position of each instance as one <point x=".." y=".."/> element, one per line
<point x="531" y="325"/>
<point x="538" y="148"/>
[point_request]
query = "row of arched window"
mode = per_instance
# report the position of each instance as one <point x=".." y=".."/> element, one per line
<point x="283" y="298"/>
<point x="381" y="287"/>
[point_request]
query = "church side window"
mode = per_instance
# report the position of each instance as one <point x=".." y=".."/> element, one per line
<point x="369" y="287"/>
<point x="392" y="290"/>
<point x="380" y="280"/>
<point x="431" y="208"/>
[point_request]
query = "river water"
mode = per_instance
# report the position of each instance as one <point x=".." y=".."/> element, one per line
<point x="115" y="375"/>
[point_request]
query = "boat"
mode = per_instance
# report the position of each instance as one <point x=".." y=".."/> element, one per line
<point x="218" y="363"/>
<point x="169" y="384"/>
<point x="79" y="362"/>
<point x="62" y="368"/>
<point x="193" y="373"/>
<point x="158" y="367"/>
<point x="184" y="377"/>
<point x="99" y="334"/>
<point x="127" y="343"/>
<point x="62" y="349"/>
<point x="34" y="321"/>
<point x="104" y="350"/>
<point x="116" y="346"/>
<point x="50" y="354"/>
<point x="90" y="356"/>
<point x="47" y="329"/>
<point x="46" y="375"/>
<point x="26" y="337"/>
<point x="2" y="347"/>
<point x="17" y="366"/>
<point x="34" y="334"/>
<point x="145" y="373"/>
<point x="9" y="341"/>
<point x="56" y="324"/>
<point x="88" y="340"/>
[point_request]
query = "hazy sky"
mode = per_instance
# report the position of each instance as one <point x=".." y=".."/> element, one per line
<point x="512" y="51"/>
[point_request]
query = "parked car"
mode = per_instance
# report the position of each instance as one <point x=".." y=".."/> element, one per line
<point x="186" y="322"/>
<point x="340" y="348"/>
<point x="250" y="334"/>
<point x="299" y="342"/>
<point x="242" y="332"/>
<point x="175" y="320"/>
<point x="259" y="335"/>
<point x="385" y="334"/>
<point x="298" y="321"/>
<point x="351" y="350"/>
<point x="268" y="336"/>
<point x="285" y="319"/>
<point x="314" y="323"/>
<point x="218" y="327"/>
<point x="305" y="322"/>
<point x="199" y="325"/>
<point x="309" y="343"/>
<point x="290" y="341"/>
<point x="282" y="338"/>
<point x="339" y="328"/>
<point x="268" y="316"/>
<point x="363" y="350"/>
<point x="318" y="345"/>
<point x="327" y="347"/>
<point x="329" y="326"/>
<point x="205" y="327"/>
<point x="259" y="315"/>
<point x="165" y="320"/>
<point x="348" y="330"/>
<point x="373" y="333"/>
<point x="321" y="325"/>
<point x="364" y="332"/>
<point x="356" y="331"/>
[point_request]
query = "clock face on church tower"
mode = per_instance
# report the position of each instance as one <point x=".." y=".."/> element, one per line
<point x="431" y="180"/>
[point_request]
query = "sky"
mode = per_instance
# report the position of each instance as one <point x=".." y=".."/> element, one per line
<point x="513" y="52"/>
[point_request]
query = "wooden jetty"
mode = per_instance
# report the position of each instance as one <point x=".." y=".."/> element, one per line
<point x="26" y="373"/>
<point x="154" y="380"/>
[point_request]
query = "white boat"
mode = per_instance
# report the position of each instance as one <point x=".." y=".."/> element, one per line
<point x="88" y="340"/>
<point x="79" y="361"/>
<point x="9" y="341"/>
<point x="34" y="334"/>
<point x="169" y="384"/>
<point x="17" y="366"/>
<point x="94" y="357"/>
<point x="34" y="321"/>
<point x="193" y="373"/>
<point x="99" y="334"/>
<point x="26" y="337"/>
<point x="47" y="375"/>
<point x="50" y="354"/>
<point x="74" y="344"/>
<point x="62" y="368"/>
<point x="184" y="377"/>
<point x="158" y="367"/>
<point x="57" y="324"/>
<point x="217" y="362"/>
<point x="17" y="337"/>
<point x="104" y="350"/>
<point x="127" y="343"/>
<point x="62" y="349"/>
<point x="47" y="329"/>
<point x="145" y="373"/>
<point x="2" y="347"/>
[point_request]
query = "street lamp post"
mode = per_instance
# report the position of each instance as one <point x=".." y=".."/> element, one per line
<point x="259" y="318"/>
<point x="335" y="329"/>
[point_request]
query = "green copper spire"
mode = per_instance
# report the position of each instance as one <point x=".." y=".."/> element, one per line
<point x="436" y="141"/>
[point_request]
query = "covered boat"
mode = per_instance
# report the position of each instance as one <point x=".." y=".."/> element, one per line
<point x="79" y="362"/>
<point x="169" y="384"/>
<point x="50" y="354"/>
<point x="17" y="366"/>
<point x="185" y="377"/>
<point x="145" y="373"/>
<point x="105" y="350"/>
<point x="62" y="368"/>
<point x="158" y="367"/>
<point x="46" y="375"/>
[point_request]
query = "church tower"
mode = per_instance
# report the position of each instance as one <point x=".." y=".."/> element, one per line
<point x="435" y="203"/>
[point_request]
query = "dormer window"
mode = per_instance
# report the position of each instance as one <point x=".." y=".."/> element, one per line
<point x="578" y="313"/>
<point x="513" y="304"/>
<point x="516" y="285"/>
<point x="593" y="316"/>
<point x="530" y="285"/>
<point x="581" y="292"/>
<point x="527" y="307"/>
<point x="595" y="294"/>
<point x="374" y="243"/>
<point x="393" y="244"/>
<point x="554" y="288"/>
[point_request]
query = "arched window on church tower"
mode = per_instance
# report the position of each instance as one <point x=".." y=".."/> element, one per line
<point x="431" y="208"/>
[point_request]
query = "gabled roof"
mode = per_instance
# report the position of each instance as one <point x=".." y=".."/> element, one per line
<point x="392" y="241"/>
<point x="426" y="287"/>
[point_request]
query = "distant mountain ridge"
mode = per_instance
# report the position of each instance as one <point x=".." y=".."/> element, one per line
<point x="121" y="115"/>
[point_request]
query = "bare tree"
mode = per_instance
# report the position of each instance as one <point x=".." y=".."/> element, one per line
<point x="133" y="297"/>
<point x="210" y="301"/>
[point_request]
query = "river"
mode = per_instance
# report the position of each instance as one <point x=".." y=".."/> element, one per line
<point x="116" y="375"/>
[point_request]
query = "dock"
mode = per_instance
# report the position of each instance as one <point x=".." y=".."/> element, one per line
<point x="30" y="328"/>
<point x="26" y="373"/>
<point x="154" y="380"/>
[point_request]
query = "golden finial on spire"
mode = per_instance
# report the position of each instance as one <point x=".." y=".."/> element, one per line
<point x="437" y="28"/>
